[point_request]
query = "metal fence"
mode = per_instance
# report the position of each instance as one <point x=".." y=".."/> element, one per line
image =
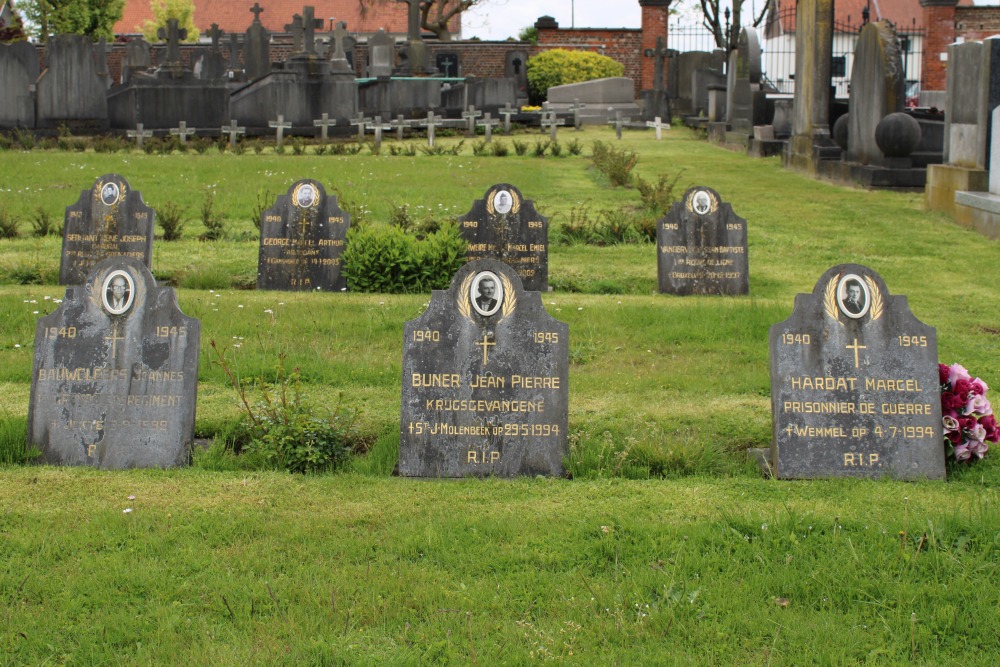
<point x="778" y="51"/>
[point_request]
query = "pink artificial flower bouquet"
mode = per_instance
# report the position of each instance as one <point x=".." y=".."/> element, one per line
<point x="969" y="424"/>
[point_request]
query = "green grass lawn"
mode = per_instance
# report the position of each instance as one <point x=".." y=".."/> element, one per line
<point x="666" y="394"/>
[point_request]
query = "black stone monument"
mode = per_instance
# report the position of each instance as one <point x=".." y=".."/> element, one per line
<point x="702" y="247"/>
<point x="301" y="241"/>
<point x="485" y="381"/>
<point x="108" y="220"/>
<point x="115" y="373"/>
<point x="505" y="226"/>
<point x="854" y="384"/>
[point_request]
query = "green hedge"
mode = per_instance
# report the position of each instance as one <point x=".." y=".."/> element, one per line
<point x="387" y="259"/>
<point x="558" y="66"/>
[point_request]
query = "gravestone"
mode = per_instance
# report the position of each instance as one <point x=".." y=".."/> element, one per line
<point x="381" y="54"/>
<point x="257" y="47"/>
<point x="302" y="240"/>
<point x="515" y="67"/>
<point x="485" y="381"/>
<point x="215" y="64"/>
<point x="137" y="58"/>
<point x="749" y="100"/>
<point x="503" y="225"/>
<point x="108" y="220"/>
<point x="70" y="92"/>
<point x="18" y="73"/>
<point x="115" y="373"/>
<point x="702" y="246"/>
<point x="813" y="70"/>
<point x="448" y="64"/>
<point x="854" y="384"/>
<point x="342" y="45"/>
<point x="877" y="90"/>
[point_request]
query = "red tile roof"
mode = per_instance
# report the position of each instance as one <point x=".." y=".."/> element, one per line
<point x="235" y="15"/>
<point x="901" y="12"/>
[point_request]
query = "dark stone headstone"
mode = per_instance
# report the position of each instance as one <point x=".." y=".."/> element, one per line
<point x="108" y="220"/>
<point x="516" y="67"/>
<point x="381" y="54"/>
<point x="301" y="241"/>
<point x="115" y="373"/>
<point x="505" y="226"/>
<point x="854" y="384"/>
<point x="485" y="381"/>
<point x="257" y="49"/>
<point x="18" y="73"/>
<point x="70" y="92"/>
<point x="448" y="64"/>
<point x="702" y="246"/>
<point x="137" y="58"/>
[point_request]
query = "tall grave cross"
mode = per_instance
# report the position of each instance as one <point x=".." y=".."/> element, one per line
<point x="470" y="117"/>
<point x="234" y="54"/>
<point x="297" y="30"/>
<point x="658" y="125"/>
<point x="256" y="10"/>
<point x="507" y="112"/>
<point x="431" y="122"/>
<point x="310" y="23"/>
<point x="325" y="123"/>
<point x="183" y="131"/>
<point x="550" y="121"/>
<point x="340" y="36"/>
<point x="173" y="36"/>
<point x="412" y="19"/>
<point x="139" y="135"/>
<point x="233" y="130"/>
<point x="659" y="53"/>
<point x="280" y="126"/>
<point x="488" y="122"/>
<point x="216" y="34"/>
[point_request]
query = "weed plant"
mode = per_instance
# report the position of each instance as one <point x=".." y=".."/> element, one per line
<point x="615" y="163"/>
<point x="212" y="220"/>
<point x="8" y="225"/>
<point x="43" y="225"/>
<point x="171" y="219"/>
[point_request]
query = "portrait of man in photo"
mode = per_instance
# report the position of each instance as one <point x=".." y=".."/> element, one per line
<point x="853" y="297"/>
<point x="502" y="202"/>
<point x="306" y="195"/>
<point x="110" y="194"/>
<point x="487" y="293"/>
<point x="702" y="202"/>
<point x="118" y="288"/>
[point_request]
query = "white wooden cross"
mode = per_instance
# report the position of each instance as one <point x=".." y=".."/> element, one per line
<point x="183" y="131"/>
<point x="431" y="122"/>
<point x="280" y="126"/>
<point x="377" y="126"/>
<point x="576" y="108"/>
<point x="550" y="121"/>
<point x="233" y="131"/>
<point x="489" y="123"/>
<point x="399" y="124"/>
<point x="325" y="123"/>
<point x="360" y="121"/>
<point x="139" y="134"/>
<point x="507" y="112"/>
<point x="658" y="125"/>
<point x="470" y="116"/>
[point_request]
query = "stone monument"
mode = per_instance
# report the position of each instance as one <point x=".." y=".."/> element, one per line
<point x="504" y="226"/>
<point x="110" y="219"/>
<point x="485" y="381"/>
<point x="115" y="373"/>
<point x="301" y="241"/>
<point x="854" y="384"/>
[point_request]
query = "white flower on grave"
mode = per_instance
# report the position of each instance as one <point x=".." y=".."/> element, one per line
<point x="17" y="345"/>
<point x="580" y="308"/>
<point x="131" y="497"/>
<point x="240" y="306"/>
<point x="281" y="303"/>
<point x="35" y="312"/>
<point x="127" y="510"/>
<point x="47" y="297"/>
<point x="269" y="311"/>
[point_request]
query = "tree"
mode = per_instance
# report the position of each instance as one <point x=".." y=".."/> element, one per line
<point x="163" y="11"/>
<point x="714" y="14"/>
<point x="11" y="31"/>
<point x="94" y="18"/>
<point x="435" y="15"/>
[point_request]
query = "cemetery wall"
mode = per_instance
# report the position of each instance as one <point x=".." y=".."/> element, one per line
<point x="943" y="25"/>
<point x="624" y="46"/>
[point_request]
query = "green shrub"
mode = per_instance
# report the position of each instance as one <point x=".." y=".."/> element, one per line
<point x="8" y="225"/>
<point x="171" y="218"/>
<point x="657" y="198"/>
<point x="387" y="259"/>
<point x="559" y="66"/>
<point x="215" y="226"/>
<point x="42" y="224"/>
<point x="541" y="145"/>
<point x="615" y="163"/>
<point x="479" y="147"/>
<point x="24" y="137"/>
<point x="500" y="149"/>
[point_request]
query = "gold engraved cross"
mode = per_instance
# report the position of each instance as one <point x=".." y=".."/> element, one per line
<point x="486" y="346"/>
<point x="856" y="347"/>
<point x="114" y="338"/>
<point x="303" y="226"/>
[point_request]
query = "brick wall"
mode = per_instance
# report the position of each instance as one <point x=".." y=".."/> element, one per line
<point x="654" y="24"/>
<point x="944" y="23"/>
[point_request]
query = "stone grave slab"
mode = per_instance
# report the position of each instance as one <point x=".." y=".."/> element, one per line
<point x="115" y="373"/>
<point x="854" y="384"/>
<point x="485" y="381"/>
<point x="302" y="238"/>
<point x="18" y="73"/>
<point x="702" y="246"/>
<point x="110" y="219"/>
<point x="505" y="226"/>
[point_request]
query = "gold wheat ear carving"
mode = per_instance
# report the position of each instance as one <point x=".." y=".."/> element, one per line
<point x="509" y="296"/>
<point x="877" y="303"/>
<point x="489" y="204"/>
<point x="464" y="302"/>
<point x="515" y="203"/>
<point x="830" y="300"/>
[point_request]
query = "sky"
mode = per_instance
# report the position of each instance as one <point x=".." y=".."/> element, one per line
<point x="500" y="19"/>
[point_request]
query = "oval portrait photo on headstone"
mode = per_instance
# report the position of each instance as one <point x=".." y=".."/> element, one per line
<point x="118" y="292"/>
<point x="486" y="293"/>
<point x="701" y="202"/>
<point x="853" y="296"/>
<point x="110" y="193"/>
<point x="305" y="195"/>
<point x="502" y="202"/>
